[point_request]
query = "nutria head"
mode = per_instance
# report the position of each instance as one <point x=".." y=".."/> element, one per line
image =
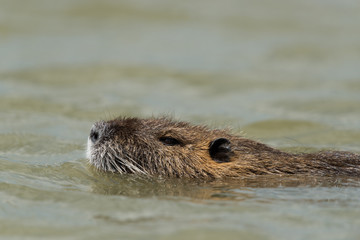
<point x="163" y="147"/>
<point x="158" y="146"/>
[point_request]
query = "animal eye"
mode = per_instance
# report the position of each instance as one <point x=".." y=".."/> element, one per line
<point x="169" y="141"/>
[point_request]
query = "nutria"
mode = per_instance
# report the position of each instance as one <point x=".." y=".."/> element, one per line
<point x="163" y="147"/>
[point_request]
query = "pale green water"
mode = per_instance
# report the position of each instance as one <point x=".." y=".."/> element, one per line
<point x="283" y="72"/>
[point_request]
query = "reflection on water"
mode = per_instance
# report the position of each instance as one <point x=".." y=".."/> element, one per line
<point x="233" y="190"/>
<point x="286" y="73"/>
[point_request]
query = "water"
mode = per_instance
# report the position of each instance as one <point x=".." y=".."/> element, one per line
<point x="282" y="72"/>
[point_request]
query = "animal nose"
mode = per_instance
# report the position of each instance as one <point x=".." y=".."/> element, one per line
<point x="94" y="135"/>
<point x="96" y="132"/>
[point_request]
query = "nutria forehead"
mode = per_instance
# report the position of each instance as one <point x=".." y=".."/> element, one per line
<point x="153" y="124"/>
<point x="158" y="127"/>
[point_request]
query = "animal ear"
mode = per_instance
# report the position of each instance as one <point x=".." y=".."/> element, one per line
<point x="220" y="150"/>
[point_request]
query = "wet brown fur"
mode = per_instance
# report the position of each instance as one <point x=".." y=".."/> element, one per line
<point x="132" y="145"/>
